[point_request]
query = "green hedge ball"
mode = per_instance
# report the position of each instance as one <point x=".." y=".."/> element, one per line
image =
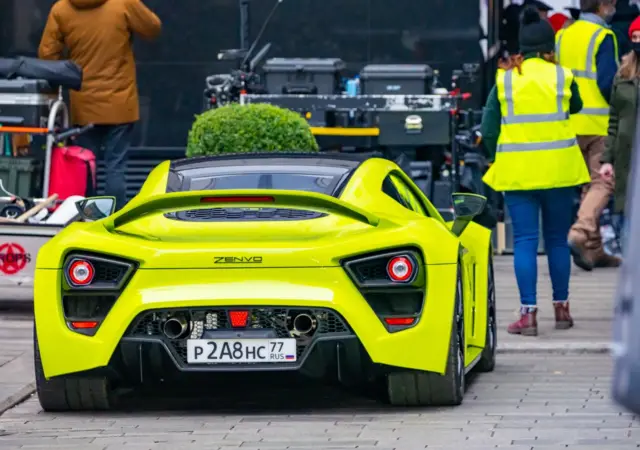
<point x="256" y="127"/>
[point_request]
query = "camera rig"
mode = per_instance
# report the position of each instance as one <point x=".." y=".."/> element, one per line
<point x="403" y="111"/>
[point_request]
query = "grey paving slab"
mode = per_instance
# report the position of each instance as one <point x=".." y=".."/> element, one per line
<point x="16" y="361"/>
<point x="591" y="297"/>
<point x="531" y="401"/>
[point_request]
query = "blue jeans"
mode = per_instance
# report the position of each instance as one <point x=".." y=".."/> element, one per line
<point x="622" y="229"/>
<point x="111" y="143"/>
<point x="556" y="206"/>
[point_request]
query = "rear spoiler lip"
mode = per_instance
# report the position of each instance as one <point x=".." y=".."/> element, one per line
<point x="180" y="201"/>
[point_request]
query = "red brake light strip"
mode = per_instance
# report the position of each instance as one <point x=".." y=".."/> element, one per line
<point x="238" y="199"/>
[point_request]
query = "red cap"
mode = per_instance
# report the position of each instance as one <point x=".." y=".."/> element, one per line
<point x="635" y="26"/>
<point x="557" y="21"/>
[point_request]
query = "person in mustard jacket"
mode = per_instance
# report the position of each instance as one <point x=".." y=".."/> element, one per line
<point x="538" y="163"/>
<point x="98" y="36"/>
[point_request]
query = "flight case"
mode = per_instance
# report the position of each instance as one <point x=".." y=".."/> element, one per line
<point x="26" y="102"/>
<point x="306" y="76"/>
<point x="396" y="79"/>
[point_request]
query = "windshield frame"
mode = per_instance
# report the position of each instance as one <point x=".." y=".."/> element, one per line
<point x="185" y="178"/>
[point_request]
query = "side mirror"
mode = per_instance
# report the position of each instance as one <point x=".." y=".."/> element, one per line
<point x="466" y="207"/>
<point x="96" y="208"/>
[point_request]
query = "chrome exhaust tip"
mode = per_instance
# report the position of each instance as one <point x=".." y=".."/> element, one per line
<point x="304" y="324"/>
<point x="175" y="327"/>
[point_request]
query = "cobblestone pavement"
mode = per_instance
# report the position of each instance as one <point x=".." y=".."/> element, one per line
<point x="16" y="366"/>
<point x="550" y="392"/>
<point x="591" y="297"/>
<point x="530" y="402"/>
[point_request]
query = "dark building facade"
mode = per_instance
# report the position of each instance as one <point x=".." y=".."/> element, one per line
<point x="171" y="71"/>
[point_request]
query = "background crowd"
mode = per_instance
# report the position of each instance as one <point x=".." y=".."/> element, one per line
<point x="566" y="101"/>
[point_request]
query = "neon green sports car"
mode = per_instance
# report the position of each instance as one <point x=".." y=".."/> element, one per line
<point x="329" y="266"/>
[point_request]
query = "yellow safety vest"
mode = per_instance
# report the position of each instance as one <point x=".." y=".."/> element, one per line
<point x="576" y="48"/>
<point x="537" y="147"/>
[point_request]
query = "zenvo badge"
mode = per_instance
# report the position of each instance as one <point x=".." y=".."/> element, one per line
<point x="413" y="124"/>
<point x="237" y="259"/>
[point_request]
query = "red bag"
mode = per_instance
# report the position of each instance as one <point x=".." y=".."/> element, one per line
<point x="73" y="172"/>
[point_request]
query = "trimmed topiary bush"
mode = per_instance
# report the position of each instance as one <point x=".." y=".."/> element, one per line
<point x="251" y="128"/>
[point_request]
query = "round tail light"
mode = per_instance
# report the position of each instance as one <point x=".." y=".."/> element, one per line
<point x="81" y="272"/>
<point x="400" y="269"/>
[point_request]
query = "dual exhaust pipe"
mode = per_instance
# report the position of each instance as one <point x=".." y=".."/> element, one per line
<point x="304" y="324"/>
<point x="178" y="327"/>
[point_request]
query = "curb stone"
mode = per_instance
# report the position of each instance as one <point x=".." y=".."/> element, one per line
<point x="18" y="374"/>
<point x="17" y="398"/>
<point x="555" y="347"/>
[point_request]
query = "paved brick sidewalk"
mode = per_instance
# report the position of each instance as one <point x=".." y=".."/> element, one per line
<point x="16" y="362"/>
<point x="531" y="402"/>
<point x="592" y="302"/>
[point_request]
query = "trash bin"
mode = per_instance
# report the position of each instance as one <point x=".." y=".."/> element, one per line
<point x="21" y="176"/>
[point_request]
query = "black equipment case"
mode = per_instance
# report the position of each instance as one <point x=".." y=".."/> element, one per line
<point x="396" y="79"/>
<point x="307" y="76"/>
<point x="25" y="102"/>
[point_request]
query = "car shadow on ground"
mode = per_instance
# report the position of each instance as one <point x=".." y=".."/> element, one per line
<point x="245" y="396"/>
<point x="16" y="310"/>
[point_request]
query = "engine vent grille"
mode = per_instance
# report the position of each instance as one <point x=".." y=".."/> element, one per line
<point x="244" y="214"/>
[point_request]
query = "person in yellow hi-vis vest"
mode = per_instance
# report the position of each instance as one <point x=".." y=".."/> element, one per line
<point x="590" y="49"/>
<point x="538" y="164"/>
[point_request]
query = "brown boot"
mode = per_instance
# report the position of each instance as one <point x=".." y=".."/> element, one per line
<point x="564" y="321"/>
<point x="527" y="325"/>
<point x="606" y="260"/>
<point x="577" y="241"/>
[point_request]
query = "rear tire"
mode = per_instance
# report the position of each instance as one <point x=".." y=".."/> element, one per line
<point x="69" y="394"/>
<point x="417" y="388"/>
<point x="488" y="357"/>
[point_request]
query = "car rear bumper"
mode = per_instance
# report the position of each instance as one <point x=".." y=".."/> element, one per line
<point x="422" y="347"/>
<point x="264" y="323"/>
<point x="325" y="357"/>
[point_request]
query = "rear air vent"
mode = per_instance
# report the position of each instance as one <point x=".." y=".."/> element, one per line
<point x="243" y="214"/>
<point x="87" y="306"/>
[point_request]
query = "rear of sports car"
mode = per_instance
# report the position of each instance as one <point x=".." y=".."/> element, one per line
<point x="158" y="291"/>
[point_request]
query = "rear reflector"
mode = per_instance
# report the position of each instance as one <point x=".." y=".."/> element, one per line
<point x="238" y="318"/>
<point x="399" y="320"/>
<point x="400" y="269"/>
<point x="238" y="199"/>
<point x="81" y="272"/>
<point x="84" y="325"/>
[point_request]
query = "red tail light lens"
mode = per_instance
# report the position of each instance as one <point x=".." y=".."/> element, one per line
<point x="81" y="272"/>
<point x="400" y="269"/>
<point x="238" y="318"/>
<point x="238" y="199"/>
<point x="84" y="325"/>
<point x="399" y="321"/>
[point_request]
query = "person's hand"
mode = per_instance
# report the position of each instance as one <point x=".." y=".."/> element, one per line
<point x="606" y="171"/>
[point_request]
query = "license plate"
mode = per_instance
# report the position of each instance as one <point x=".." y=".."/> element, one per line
<point x="219" y="351"/>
